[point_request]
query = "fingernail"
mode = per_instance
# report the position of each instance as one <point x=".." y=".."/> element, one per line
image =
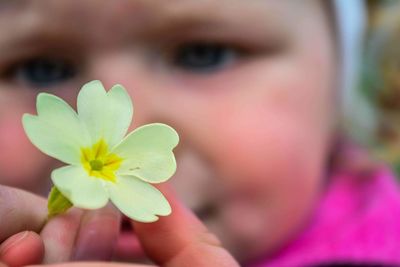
<point x="16" y="239"/>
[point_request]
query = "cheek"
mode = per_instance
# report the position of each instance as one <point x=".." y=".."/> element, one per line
<point x="276" y="141"/>
<point x="272" y="177"/>
<point x="274" y="166"/>
<point x="276" y="130"/>
<point x="270" y="152"/>
<point x="21" y="164"/>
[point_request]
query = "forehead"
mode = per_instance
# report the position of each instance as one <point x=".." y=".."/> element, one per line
<point x="105" y="22"/>
<point x="139" y="12"/>
<point x="128" y="6"/>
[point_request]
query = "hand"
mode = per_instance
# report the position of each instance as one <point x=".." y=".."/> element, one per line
<point x="176" y="240"/>
<point x="23" y="215"/>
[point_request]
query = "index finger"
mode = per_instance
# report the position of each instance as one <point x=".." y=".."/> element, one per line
<point x="181" y="239"/>
<point x="20" y="211"/>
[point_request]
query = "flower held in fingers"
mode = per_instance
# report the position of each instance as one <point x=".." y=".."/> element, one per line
<point x="103" y="164"/>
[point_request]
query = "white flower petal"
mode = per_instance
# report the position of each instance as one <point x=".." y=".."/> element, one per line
<point x="119" y="114"/>
<point x="138" y="200"/>
<point x="56" y="130"/>
<point x="53" y="140"/>
<point x="91" y="104"/>
<point x="147" y="153"/>
<point x="76" y="185"/>
<point x="56" y="111"/>
<point x="106" y="115"/>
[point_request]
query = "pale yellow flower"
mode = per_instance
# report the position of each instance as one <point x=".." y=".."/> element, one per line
<point x="104" y="165"/>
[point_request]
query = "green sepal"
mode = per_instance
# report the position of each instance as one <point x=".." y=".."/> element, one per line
<point x="57" y="203"/>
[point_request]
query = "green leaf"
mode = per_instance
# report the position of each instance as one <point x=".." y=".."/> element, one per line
<point x="57" y="203"/>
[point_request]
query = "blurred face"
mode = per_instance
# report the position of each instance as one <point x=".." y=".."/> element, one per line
<point x="247" y="85"/>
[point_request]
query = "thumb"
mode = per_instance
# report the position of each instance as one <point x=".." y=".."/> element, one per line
<point x="20" y="211"/>
<point x="22" y="249"/>
<point x="181" y="239"/>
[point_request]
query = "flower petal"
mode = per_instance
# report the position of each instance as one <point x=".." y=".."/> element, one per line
<point x="138" y="200"/>
<point x="82" y="190"/>
<point x="147" y="153"/>
<point x="119" y="114"/>
<point x="106" y="115"/>
<point x="91" y="104"/>
<point x="56" y="111"/>
<point x="56" y="131"/>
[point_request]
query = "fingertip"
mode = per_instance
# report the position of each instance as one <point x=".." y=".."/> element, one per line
<point x="180" y="216"/>
<point x="180" y="238"/>
<point x="22" y="249"/>
<point x="178" y="229"/>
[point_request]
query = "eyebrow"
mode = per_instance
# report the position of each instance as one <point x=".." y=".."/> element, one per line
<point x="217" y="16"/>
<point x="217" y="20"/>
<point x="6" y="5"/>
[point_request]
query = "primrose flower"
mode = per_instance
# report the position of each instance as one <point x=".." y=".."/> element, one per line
<point x="102" y="164"/>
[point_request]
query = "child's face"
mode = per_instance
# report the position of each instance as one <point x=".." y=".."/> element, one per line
<point x="247" y="84"/>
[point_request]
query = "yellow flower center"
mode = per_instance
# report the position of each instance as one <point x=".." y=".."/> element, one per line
<point x="96" y="165"/>
<point x="99" y="162"/>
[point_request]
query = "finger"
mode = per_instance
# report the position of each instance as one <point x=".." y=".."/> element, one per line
<point x="91" y="264"/>
<point x="98" y="234"/>
<point x="180" y="239"/>
<point x="22" y="249"/>
<point x="20" y="211"/>
<point x="59" y="236"/>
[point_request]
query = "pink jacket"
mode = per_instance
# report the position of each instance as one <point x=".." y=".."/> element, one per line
<point x="357" y="221"/>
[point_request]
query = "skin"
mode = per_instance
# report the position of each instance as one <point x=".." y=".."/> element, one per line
<point x="188" y="239"/>
<point x="255" y="128"/>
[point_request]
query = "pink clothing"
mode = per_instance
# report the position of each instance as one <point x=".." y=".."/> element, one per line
<point x="358" y="221"/>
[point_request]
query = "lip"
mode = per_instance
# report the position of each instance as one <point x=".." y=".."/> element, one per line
<point x="128" y="246"/>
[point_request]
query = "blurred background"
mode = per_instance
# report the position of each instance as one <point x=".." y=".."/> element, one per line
<point x="381" y="77"/>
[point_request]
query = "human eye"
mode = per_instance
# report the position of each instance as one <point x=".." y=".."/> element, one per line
<point x="40" y="71"/>
<point x="203" y="57"/>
